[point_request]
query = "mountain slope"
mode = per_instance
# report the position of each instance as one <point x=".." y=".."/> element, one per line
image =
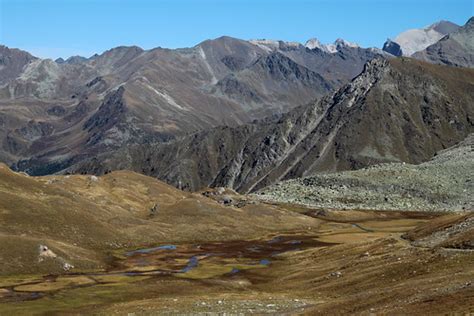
<point x="456" y="49"/>
<point x="416" y="109"/>
<point x="415" y="40"/>
<point x="57" y="113"/>
<point x="12" y="62"/>
<point x="83" y="218"/>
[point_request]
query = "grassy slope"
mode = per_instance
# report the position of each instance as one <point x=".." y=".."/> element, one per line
<point x="82" y="220"/>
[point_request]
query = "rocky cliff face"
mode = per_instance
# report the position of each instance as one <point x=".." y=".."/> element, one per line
<point x="395" y="111"/>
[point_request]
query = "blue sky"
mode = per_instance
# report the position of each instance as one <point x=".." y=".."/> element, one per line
<point x="60" y="28"/>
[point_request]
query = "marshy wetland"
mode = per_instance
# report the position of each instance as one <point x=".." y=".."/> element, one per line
<point x="305" y="271"/>
<point x="225" y="261"/>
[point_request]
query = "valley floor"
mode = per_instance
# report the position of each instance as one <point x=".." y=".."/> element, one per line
<point x="349" y="262"/>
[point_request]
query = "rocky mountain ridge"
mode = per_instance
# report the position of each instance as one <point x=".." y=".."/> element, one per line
<point x="416" y="109"/>
<point x="48" y="108"/>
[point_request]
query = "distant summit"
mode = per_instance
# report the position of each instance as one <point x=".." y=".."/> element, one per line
<point x="415" y="40"/>
<point x="71" y="60"/>
<point x="338" y="44"/>
<point x="455" y="49"/>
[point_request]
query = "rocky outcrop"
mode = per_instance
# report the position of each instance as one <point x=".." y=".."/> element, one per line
<point x="392" y="48"/>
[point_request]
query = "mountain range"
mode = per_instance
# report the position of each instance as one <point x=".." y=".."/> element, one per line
<point x="78" y="107"/>
<point x="236" y="113"/>
<point x="398" y="110"/>
<point x="455" y="49"/>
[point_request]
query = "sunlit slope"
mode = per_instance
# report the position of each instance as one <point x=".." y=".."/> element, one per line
<point x="81" y="218"/>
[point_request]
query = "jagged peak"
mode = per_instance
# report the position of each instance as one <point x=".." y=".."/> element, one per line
<point x="375" y="64"/>
<point x="342" y="42"/>
<point x="314" y="43"/>
<point x="361" y="85"/>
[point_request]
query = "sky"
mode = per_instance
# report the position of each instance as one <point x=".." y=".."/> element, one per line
<point x="62" y="28"/>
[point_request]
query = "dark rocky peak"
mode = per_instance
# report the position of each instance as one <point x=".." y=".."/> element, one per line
<point x="393" y="48"/>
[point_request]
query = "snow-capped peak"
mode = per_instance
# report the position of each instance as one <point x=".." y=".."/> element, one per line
<point x="314" y="43"/>
<point x="342" y="42"/>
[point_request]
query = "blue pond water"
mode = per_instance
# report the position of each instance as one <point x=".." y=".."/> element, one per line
<point x="265" y="262"/>
<point x="148" y="250"/>
<point x="192" y="263"/>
